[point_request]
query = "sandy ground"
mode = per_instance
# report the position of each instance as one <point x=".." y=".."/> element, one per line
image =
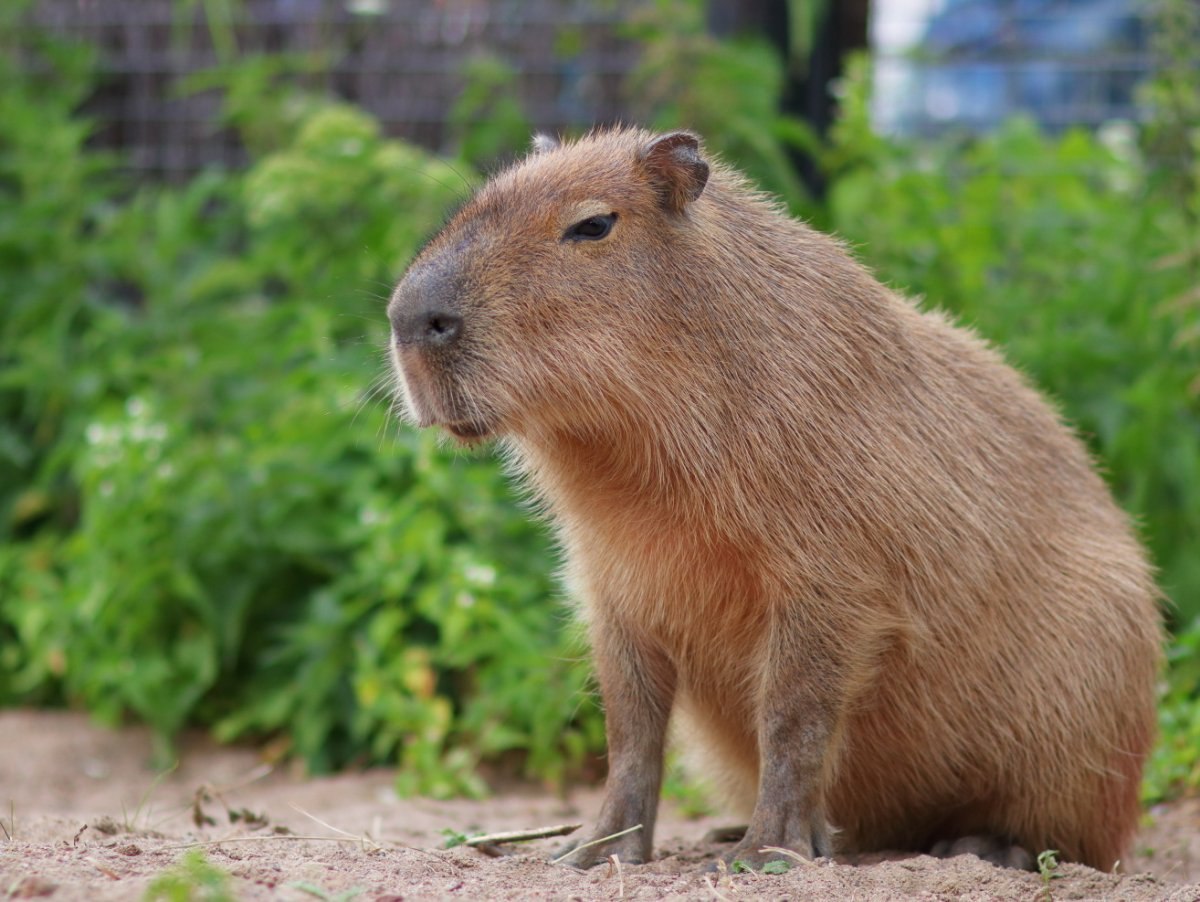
<point x="59" y="773"/>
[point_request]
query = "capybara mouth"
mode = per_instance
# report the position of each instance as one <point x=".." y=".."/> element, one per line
<point x="468" y="430"/>
<point x="433" y="399"/>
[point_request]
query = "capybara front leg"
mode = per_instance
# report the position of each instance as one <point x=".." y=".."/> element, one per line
<point x="799" y="701"/>
<point x="637" y="683"/>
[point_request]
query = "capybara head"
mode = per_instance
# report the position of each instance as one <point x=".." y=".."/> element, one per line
<point x="536" y="305"/>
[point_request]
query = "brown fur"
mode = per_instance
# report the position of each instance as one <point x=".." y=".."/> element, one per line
<point x="862" y="561"/>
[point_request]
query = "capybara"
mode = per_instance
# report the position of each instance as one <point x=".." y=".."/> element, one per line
<point x="875" y="579"/>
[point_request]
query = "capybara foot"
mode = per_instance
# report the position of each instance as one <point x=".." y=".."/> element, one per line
<point x="757" y="848"/>
<point x="632" y="848"/>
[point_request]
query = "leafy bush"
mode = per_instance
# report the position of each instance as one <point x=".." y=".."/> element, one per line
<point x="207" y="522"/>
<point x="1174" y="767"/>
<point x="487" y="121"/>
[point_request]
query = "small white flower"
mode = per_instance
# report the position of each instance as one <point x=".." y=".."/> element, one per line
<point x="480" y="574"/>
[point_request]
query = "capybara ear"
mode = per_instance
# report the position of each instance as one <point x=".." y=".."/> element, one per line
<point x="543" y="143"/>
<point x="676" y="168"/>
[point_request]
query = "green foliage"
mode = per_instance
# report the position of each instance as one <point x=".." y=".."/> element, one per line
<point x="1172" y="140"/>
<point x="219" y="16"/>
<point x="51" y="196"/>
<point x="1174" y="767"/>
<point x="728" y="91"/>
<point x="263" y="95"/>
<point x="205" y="519"/>
<point x="487" y="121"/>
<point x="371" y="202"/>
<point x="317" y="892"/>
<point x="1047" y="864"/>
<point x="192" y="879"/>
<point x="691" y="799"/>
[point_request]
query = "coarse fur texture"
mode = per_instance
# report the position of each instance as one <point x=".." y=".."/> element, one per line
<point x="865" y="567"/>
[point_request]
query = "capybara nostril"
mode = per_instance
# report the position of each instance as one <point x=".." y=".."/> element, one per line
<point x="431" y="328"/>
<point x="442" y="327"/>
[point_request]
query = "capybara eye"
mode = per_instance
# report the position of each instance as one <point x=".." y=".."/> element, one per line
<point x="591" y="229"/>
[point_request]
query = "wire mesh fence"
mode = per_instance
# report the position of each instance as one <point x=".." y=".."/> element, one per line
<point x="938" y="64"/>
<point x="403" y="60"/>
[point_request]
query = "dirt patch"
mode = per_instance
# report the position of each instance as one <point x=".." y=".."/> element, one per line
<point x="59" y="773"/>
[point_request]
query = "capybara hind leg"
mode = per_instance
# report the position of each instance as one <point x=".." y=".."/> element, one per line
<point x="998" y="851"/>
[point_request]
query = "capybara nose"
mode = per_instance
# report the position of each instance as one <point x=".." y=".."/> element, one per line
<point x="431" y="328"/>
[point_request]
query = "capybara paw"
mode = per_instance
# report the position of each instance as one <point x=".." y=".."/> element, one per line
<point x="755" y="850"/>
<point x="1001" y="852"/>
<point x="630" y="849"/>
